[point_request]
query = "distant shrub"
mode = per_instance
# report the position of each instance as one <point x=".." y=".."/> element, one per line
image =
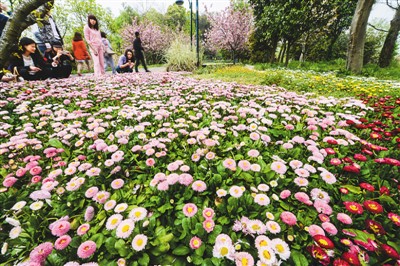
<point x="180" y="57"/>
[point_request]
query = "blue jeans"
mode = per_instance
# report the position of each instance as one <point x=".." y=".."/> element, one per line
<point x="108" y="61"/>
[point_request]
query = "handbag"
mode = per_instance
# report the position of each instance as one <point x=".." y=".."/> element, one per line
<point x="109" y="51"/>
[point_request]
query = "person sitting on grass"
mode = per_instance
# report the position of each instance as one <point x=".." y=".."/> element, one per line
<point x="126" y="62"/>
<point x="28" y="63"/>
<point x="60" y="61"/>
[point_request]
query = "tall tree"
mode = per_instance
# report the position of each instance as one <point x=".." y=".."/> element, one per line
<point x="358" y="29"/>
<point x="26" y="14"/>
<point x="388" y="48"/>
<point x="230" y="29"/>
<point x="175" y="17"/>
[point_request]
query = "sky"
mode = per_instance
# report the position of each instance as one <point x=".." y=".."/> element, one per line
<point x="379" y="11"/>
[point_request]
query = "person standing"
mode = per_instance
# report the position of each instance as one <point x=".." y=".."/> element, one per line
<point x="96" y="47"/>
<point x="46" y="32"/>
<point x="3" y="18"/>
<point x="139" y="55"/>
<point x="80" y="52"/>
<point x="108" y="57"/>
<point x="126" y="62"/>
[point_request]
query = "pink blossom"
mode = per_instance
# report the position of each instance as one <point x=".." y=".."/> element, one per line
<point x="89" y="214"/>
<point x="35" y="170"/>
<point x="253" y="153"/>
<point x="199" y="186"/>
<point x="20" y="172"/>
<point x="303" y="197"/>
<point x="329" y="228"/>
<point x="189" y="209"/>
<point x="91" y="192"/>
<point x="208" y="225"/>
<point x="117" y="183"/>
<point x="185" y="179"/>
<point x="230" y="164"/>
<point x="279" y="167"/>
<point x="315" y="230"/>
<point x="36" y="179"/>
<point x="208" y="213"/>
<point x="9" y="181"/>
<point x="82" y="229"/>
<point x="150" y="162"/>
<point x="62" y="242"/>
<point x="322" y="207"/>
<point x="285" y="194"/>
<point x="41" y="252"/>
<point x="195" y="242"/>
<point x="163" y="186"/>
<point x="60" y="228"/>
<point x="288" y="218"/>
<point x="86" y="249"/>
<point x="244" y="165"/>
<point x="344" y="218"/>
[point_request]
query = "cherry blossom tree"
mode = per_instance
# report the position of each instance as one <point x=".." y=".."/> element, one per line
<point x="230" y="29"/>
<point x="155" y="39"/>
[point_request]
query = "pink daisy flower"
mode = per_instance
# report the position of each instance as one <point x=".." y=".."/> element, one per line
<point x="243" y="259"/>
<point x="262" y="199"/>
<point x="117" y="183"/>
<point x="303" y="197"/>
<point x="288" y="218"/>
<point x="285" y="194"/>
<point x="62" y="242"/>
<point x="199" y="186"/>
<point x="60" y="228"/>
<point x="83" y="229"/>
<point x="315" y="230"/>
<point x="195" y="242"/>
<point x="344" y="218"/>
<point x="301" y="181"/>
<point x="208" y="225"/>
<point x="279" y="167"/>
<point x="86" y="249"/>
<point x="150" y="162"/>
<point x="329" y="228"/>
<point x="125" y="228"/>
<point x="302" y="172"/>
<point x="236" y="191"/>
<point x="189" y="209"/>
<point x="230" y="164"/>
<point x="91" y="192"/>
<point x="253" y="153"/>
<point x="244" y="165"/>
<point x="208" y="213"/>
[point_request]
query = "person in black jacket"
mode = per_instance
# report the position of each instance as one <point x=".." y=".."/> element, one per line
<point x="60" y="61"/>
<point x="27" y="62"/>
<point x="137" y="47"/>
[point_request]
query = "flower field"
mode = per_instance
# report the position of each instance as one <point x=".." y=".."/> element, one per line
<point x="163" y="169"/>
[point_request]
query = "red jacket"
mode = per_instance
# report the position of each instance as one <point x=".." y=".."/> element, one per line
<point x="80" y="51"/>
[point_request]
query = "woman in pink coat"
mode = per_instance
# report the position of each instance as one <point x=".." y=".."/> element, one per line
<point x="93" y="38"/>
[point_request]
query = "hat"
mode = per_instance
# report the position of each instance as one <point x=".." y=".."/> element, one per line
<point x="48" y="45"/>
<point x="56" y="44"/>
<point x="25" y="41"/>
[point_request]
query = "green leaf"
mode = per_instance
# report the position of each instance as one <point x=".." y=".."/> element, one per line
<point x="361" y="235"/>
<point x="122" y="248"/>
<point x="55" y="143"/>
<point x="299" y="259"/>
<point x="388" y="200"/>
<point x="181" y="251"/>
<point x="167" y="238"/>
<point x="98" y="239"/>
<point x="353" y="189"/>
<point x="144" y="260"/>
<point x="110" y="245"/>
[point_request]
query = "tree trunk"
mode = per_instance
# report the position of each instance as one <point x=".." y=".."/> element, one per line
<point x="18" y="22"/>
<point x="282" y="52"/>
<point x="358" y="29"/>
<point x="390" y="41"/>
<point x="271" y="54"/>
<point x="287" y="53"/>
<point x="303" y="49"/>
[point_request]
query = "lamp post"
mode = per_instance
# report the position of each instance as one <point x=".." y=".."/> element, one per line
<point x="179" y="3"/>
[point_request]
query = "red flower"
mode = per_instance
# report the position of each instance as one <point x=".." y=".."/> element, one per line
<point x="351" y="168"/>
<point x="350" y="122"/>
<point x="347" y="160"/>
<point x="391" y="252"/>
<point x="351" y="258"/>
<point x="344" y="190"/>
<point x="319" y="254"/>
<point x="340" y="262"/>
<point x="332" y="141"/>
<point x="360" y="157"/>
<point x="367" y="152"/>
<point x="373" y="206"/>
<point x="394" y="218"/>
<point x="367" y="186"/>
<point x="375" y="227"/>
<point x="353" y="207"/>
<point x="364" y="120"/>
<point x="384" y="191"/>
<point x="375" y="135"/>
<point x="324" y="241"/>
<point x="330" y="151"/>
<point x="367" y="245"/>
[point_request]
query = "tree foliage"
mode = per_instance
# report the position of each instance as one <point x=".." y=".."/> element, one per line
<point x="230" y="29"/>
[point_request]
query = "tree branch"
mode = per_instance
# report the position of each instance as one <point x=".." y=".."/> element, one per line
<point x="25" y="15"/>
<point x="375" y="28"/>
